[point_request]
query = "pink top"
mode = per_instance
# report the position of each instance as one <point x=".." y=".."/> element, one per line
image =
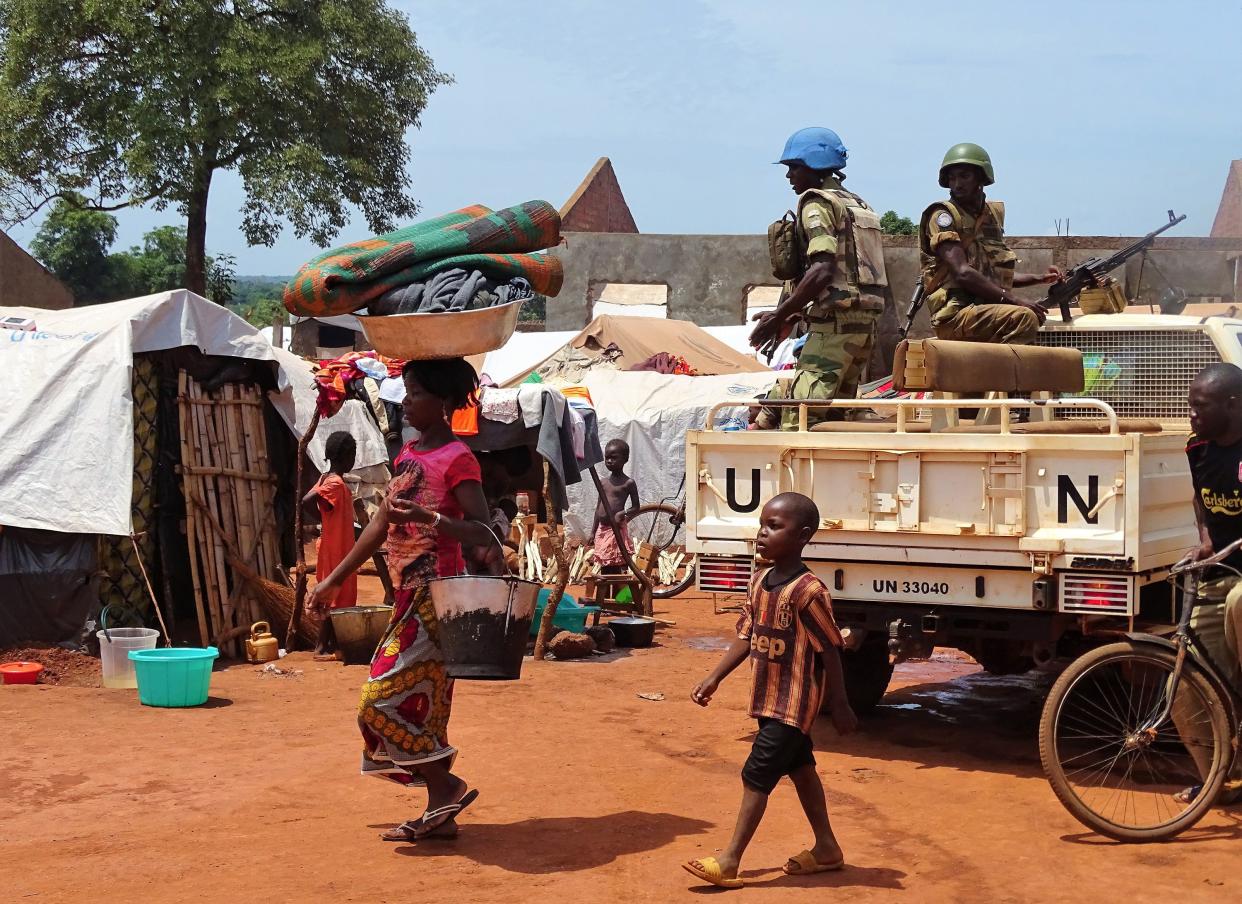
<point x="428" y="479"/>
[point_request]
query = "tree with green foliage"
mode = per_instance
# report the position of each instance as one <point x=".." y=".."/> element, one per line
<point x="134" y="102"/>
<point x="892" y="224"/>
<point x="534" y="310"/>
<point x="73" y="243"/>
<point x="263" y="311"/>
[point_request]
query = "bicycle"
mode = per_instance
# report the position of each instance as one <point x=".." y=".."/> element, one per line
<point x="1130" y="725"/>
<point x="661" y="525"/>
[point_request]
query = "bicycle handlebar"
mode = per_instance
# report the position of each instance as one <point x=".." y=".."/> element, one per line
<point x="1186" y="563"/>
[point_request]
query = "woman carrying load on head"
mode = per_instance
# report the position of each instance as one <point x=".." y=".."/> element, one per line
<point x="434" y="505"/>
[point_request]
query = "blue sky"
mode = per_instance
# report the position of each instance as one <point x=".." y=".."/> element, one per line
<point x="1105" y="113"/>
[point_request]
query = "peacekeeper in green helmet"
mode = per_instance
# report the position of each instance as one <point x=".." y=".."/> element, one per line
<point x="968" y="270"/>
<point x="834" y="273"/>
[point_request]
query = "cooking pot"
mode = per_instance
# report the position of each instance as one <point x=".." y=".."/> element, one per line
<point x="632" y="631"/>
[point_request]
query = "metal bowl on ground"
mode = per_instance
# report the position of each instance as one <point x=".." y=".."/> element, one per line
<point x="426" y="337"/>
<point x="358" y="631"/>
<point x="633" y="631"/>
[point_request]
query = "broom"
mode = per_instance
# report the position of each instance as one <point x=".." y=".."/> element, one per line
<point x="275" y="599"/>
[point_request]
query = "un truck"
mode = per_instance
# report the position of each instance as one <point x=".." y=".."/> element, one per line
<point x="1028" y="532"/>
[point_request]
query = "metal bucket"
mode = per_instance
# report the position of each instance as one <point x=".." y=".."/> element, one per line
<point x="358" y="631"/>
<point x="484" y="624"/>
<point x="421" y="337"/>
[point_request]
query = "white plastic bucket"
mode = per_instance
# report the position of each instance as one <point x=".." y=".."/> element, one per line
<point x="114" y="647"/>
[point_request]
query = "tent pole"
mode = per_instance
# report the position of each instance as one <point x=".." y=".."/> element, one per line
<point x="299" y="584"/>
<point x="188" y="481"/>
<point x="562" y="566"/>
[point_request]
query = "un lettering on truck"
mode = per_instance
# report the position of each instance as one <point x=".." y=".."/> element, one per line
<point x="1008" y="500"/>
<point x="949" y="521"/>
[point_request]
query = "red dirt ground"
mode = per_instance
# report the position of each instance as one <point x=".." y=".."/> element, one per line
<point x="588" y="793"/>
<point x="61" y="667"/>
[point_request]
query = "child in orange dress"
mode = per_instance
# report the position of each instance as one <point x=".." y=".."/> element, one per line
<point x="332" y="501"/>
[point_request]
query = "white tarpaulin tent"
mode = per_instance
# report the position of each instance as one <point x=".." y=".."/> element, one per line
<point x="523" y="353"/>
<point x="736" y="337"/>
<point x="652" y="412"/>
<point x="66" y="428"/>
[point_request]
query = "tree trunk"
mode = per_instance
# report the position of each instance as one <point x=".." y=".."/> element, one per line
<point x="196" y="233"/>
<point x="299" y="581"/>
<point x="562" y="567"/>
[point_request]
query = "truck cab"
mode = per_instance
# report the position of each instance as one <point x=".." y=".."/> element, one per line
<point x="1016" y="503"/>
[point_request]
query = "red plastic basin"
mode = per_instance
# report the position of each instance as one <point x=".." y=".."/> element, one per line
<point x="20" y="672"/>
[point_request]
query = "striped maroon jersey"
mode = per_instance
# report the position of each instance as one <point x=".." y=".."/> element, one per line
<point x="788" y="628"/>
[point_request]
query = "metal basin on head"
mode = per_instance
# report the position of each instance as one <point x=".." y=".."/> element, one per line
<point x="429" y="337"/>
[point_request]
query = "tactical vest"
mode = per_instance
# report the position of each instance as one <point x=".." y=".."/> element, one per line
<point x="859" y="279"/>
<point x="983" y="241"/>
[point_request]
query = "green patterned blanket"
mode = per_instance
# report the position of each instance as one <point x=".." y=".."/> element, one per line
<point x="498" y="243"/>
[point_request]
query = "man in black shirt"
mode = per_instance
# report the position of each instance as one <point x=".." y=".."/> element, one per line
<point x="1215" y="455"/>
<point x="1214" y="452"/>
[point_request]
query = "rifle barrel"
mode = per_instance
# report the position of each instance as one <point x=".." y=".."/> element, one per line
<point x="1085" y="273"/>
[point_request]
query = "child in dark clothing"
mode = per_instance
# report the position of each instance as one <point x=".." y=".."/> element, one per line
<point x="619" y="488"/>
<point x="788" y="632"/>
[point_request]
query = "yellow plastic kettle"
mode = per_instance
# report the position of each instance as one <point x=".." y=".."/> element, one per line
<point x="262" y="645"/>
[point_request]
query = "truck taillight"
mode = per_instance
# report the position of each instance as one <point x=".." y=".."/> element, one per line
<point x="1092" y="594"/>
<point x="725" y="574"/>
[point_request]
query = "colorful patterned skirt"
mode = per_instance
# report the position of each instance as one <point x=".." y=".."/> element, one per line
<point x="607" y="553"/>
<point x="406" y="700"/>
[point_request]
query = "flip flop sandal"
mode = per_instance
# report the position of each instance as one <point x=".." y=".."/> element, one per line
<point x="805" y="864"/>
<point x="407" y="833"/>
<point x="1231" y="793"/>
<point x="708" y="869"/>
<point x="1188" y="795"/>
<point x="433" y="819"/>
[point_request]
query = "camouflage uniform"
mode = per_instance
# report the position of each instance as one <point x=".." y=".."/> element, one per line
<point x="955" y="313"/>
<point x="842" y="321"/>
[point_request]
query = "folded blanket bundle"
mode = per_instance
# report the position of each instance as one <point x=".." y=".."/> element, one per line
<point x="451" y="291"/>
<point x="496" y="244"/>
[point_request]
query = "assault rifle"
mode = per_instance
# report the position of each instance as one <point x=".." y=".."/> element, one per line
<point x="916" y="302"/>
<point x="1094" y="270"/>
<point x="768" y="349"/>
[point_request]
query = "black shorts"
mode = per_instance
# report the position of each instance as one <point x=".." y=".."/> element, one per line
<point x="779" y="749"/>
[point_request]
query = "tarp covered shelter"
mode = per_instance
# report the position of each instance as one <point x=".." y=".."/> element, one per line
<point x="88" y="444"/>
<point x="66" y="432"/>
<point x="651" y="411"/>
<point x="639" y="338"/>
<point x="522" y="354"/>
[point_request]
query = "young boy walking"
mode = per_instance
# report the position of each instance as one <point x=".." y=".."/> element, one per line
<point x="788" y="632"/>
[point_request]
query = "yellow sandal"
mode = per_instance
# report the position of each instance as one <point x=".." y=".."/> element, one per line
<point x="708" y="869"/>
<point x="805" y="864"/>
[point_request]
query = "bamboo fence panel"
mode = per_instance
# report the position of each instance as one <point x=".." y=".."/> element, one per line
<point x="230" y="508"/>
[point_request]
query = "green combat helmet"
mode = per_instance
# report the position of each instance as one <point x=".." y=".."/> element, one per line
<point x="968" y="153"/>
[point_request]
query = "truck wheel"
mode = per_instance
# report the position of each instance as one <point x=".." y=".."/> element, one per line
<point x="867" y="672"/>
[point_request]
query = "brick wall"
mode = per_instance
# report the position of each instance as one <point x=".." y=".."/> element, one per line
<point x="24" y="282"/>
<point x="598" y="204"/>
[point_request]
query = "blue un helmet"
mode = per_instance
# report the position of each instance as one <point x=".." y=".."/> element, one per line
<point x="819" y="149"/>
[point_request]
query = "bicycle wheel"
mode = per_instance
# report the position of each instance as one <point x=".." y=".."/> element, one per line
<point x="659" y="524"/>
<point x="1110" y="758"/>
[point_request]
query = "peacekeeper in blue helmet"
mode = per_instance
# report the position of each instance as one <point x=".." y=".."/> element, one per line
<point x="968" y="270"/>
<point x="830" y="252"/>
